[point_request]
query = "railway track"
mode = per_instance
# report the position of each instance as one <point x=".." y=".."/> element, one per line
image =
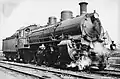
<point x="107" y="72"/>
<point x="18" y="72"/>
<point x="35" y="74"/>
<point x="38" y="71"/>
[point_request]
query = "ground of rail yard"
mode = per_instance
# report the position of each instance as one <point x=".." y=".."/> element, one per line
<point x="14" y="70"/>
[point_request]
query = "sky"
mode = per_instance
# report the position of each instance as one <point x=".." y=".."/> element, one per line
<point x="15" y="14"/>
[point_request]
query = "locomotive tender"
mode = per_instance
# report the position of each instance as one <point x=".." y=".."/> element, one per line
<point x="71" y="42"/>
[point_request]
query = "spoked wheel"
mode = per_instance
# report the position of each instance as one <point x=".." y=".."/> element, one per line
<point x="39" y="61"/>
<point x="39" y="57"/>
<point x="103" y="63"/>
<point x="102" y="66"/>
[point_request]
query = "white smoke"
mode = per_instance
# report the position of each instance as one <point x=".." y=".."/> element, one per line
<point x="100" y="49"/>
<point x="84" y="62"/>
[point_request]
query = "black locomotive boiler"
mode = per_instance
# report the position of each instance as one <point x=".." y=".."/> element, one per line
<point x="71" y="42"/>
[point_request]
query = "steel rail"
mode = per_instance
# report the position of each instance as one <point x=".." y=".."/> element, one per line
<point x="24" y="73"/>
<point x="63" y="72"/>
<point x="108" y="72"/>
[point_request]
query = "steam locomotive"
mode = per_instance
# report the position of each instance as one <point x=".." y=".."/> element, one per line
<point x="71" y="42"/>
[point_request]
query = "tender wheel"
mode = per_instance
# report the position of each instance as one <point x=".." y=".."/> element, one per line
<point x="12" y="59"/>
<point x="6" y="58"/>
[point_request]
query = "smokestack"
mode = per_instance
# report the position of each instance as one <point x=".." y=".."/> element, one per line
<point x="83" y="7"/>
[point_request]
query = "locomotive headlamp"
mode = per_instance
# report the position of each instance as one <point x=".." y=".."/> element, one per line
<point x="96" y="14"/>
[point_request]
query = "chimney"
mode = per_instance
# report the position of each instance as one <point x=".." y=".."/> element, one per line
<point x="83" y="7"/>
